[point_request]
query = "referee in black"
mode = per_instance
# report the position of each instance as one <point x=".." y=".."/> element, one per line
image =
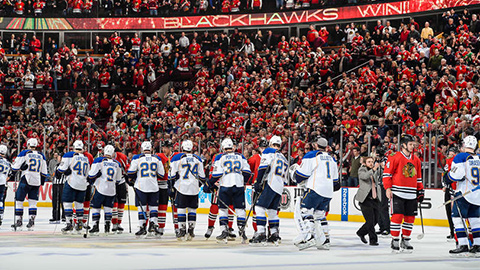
<point x="57" y="190"/>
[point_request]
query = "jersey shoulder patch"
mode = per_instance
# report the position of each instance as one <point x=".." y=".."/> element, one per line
<point x="98" y="159"/>
<point x="269" y="151"/>
<point x="24" y="153"/>
<point x="136" y="157"/>
<point x="218" y="157"/>
<point x="311" y="154"/>
<point x="69" y="155"/>
<point x="198" y="157"/>
<point x="177" y="157"/>
<point x="461" y="157"/>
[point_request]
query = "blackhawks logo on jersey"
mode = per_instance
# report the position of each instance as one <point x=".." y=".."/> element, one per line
<point x="409" y="170"/>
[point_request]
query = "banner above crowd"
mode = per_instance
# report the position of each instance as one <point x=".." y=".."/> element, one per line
<point x="234" y="20"/>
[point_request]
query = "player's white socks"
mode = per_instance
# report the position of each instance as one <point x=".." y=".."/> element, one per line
<point x="241" y="214"/>
<point x="182" y="218"/>
<point x="460" y="231"/>
<point x="32" y="208"/>
<point x="273" y="220"/>
<point x="108" y="213"/>
<point x="79" y="210"/>
<point x="261" y="219"/>
<point x="475" y="224"/>
<point x="18" y="210"/>
<point x="67" y="207"/>
<point x="1" y="210"/>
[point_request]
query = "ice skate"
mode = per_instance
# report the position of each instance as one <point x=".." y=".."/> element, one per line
<point x="18" y="225"/>
<point x="461" y="251"/>
<point x="406" y="246"/>
<point x="181" y="234"/>
<point x="54" y="221"/>
<point x="120" y="230"/>
<point x="79" y="227"/>
<point x="258" y="239"/>
<point x="0" y="222"/>
<point x="95" y="229"/>
<point x="31" y="224"/>
<point x="231" y="235"/>
<point x="244" y="237"/>
<point x="191" y="233"/>
<point x="475" y="251"/>
<point x="209" y="232"/>
<point x="395" y="245"/>
<point x="275" y="239"/>
<point x="68" y="228"/>
<point x="222" y="238"/>
<point x="141" y="232"/>
<point x="114" y="228"/>
<point x="325" y="245"/>
<point x="108" y="226"/>
<point x="304" y="244"/>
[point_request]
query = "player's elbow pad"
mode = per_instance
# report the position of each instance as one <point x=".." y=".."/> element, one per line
<point x="336" y="185"/>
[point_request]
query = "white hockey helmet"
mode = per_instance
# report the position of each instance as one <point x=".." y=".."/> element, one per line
<point x="275" y="140"/>
<point x="187" y="145"/>
<point x="32" y="142"/>
<point x="78" y="145"/>
<point x="227" y="144"/>
<point x="146" y="146"/>
<point x="109" y="151"/>
<point x="470" y="142"/>
<point x="3" y="149"/>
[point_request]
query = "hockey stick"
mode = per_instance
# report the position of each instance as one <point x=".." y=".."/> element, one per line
<point x="463" y="223"/>
<point x="140" y="205"/>
<point x="420" y="236"/>
<point x="89" y="209"/>
<point x="460" y="196"/>
<point x="229" y="209"/>
<point x="128" y="207"/>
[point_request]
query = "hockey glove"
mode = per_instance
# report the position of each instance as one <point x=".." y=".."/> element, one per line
<point x="257" y="188"/>
<point x="24" y="166"/>
<point x="131" y="182"/>
<point x="336" y="185"/>
<point x="67" y="172"/>
<point x="43" y="179"/>
<point x="206" y="188"/>
<point x="420" y="195"/>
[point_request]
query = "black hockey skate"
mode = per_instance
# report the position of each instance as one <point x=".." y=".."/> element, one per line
<point x="275" y="239"/>
<point x="108" y="226"/>
<point x="141" y="232"/>
<point x="475" y="251"/>
<point x="68" y="229"/>
<point x="222" y="238"/>
<point x="191" y="233"/>
<point x="0" y="222"/>
<point x="181" y="234"/>
<point x="54" y="221"/>
<point x="406" y="246"/>
<point x="153" y="230"/>
<point x="209" y="232"/>
<point x="79" y="227"/>
<point x="114" y="228"/>
<point x="119" y="229"/>
<point x="95" y="229"/>
<point x="395" y="245"/>
<point x="244" y="237"/>
<point x="461" y="251"/>
<point x="231" y="235"/>
<point x="18" y="225"/>
<point x="31" y="224"/>
<point x="258" y="239"/>
<point x="306" y="243"/>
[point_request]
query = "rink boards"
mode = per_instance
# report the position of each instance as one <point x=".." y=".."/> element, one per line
<point x="342" y="207"/>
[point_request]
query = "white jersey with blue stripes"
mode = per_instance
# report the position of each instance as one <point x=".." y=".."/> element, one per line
<point x="110" y="172"/>
<point x="230" y="167"/>
<point x="79" y="165"/>
<point x="277" y="176"/>
<point x="148" y="168"/>
<point x="5" y="168"/>
<point x="321" y="171"/>
<point x="188" y="170"/>
<point x="37" y="166"/>
<point x="466" y="172"/>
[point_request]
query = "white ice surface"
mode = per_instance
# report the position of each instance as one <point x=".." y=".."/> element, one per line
<point x="47" y="248"/>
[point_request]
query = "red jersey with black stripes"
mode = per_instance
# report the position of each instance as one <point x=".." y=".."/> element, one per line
<point x="403" y="174"/>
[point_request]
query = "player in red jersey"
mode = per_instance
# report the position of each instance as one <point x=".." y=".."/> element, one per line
<point x="165" y="156"/>
<point x="121" y="195"/>
<point x="402" y="179"/>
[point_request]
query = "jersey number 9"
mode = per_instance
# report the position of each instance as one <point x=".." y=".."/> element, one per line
<point x="110" y="174"/>
<point x="476" y="176"/>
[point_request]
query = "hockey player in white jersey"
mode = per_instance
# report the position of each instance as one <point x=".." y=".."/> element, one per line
<point x="5" y="168"/>
<point x="144" y="174"/>
<point x="184" y="180"/>
<point x="104" y="174"/>
<point x="268" y="187"/>
<point x="32" y="166"/>
<point x="318" y="173"/>
<point x="75" y="166"/>
<point x="232" y="171"/>
<point x="465" y="171"/>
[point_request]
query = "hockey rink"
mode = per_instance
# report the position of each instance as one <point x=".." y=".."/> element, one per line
<point x="48" y="248"/>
